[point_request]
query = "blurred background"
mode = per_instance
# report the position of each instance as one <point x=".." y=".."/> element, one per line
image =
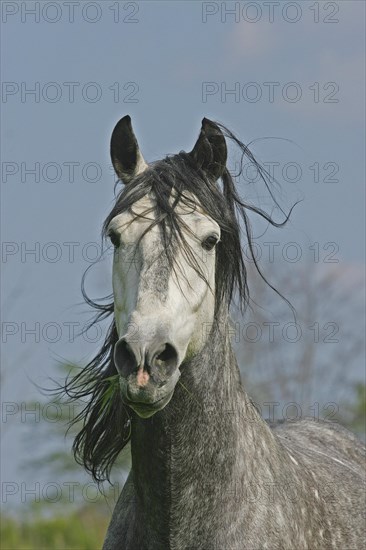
<point x="287" y="77"/>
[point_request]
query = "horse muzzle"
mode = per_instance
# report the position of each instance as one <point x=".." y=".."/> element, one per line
<point x="148" y="374"/>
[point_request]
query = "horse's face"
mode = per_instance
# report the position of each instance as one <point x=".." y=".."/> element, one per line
<point x="161" y="313"/>
<point x="162" y="309"/>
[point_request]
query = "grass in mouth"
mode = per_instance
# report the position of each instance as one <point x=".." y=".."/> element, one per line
<point x="112" y="386"/>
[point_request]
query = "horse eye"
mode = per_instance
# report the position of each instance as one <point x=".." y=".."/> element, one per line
<point x="210" y="242"/>
<point x="114" y="238"/>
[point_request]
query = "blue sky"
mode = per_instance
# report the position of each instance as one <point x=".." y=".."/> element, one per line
<point x="164" y="62"/>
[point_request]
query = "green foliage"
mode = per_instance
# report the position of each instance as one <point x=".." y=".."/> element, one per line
<point x="67" y="523"/>
<point x="355" y="414"/>
<point x="84" y="529"/>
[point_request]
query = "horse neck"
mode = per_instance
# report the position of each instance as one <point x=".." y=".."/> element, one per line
<point x="206" y="437"/>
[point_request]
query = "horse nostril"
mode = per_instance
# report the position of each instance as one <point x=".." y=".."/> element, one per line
<point x="124" y="358"/>
<point x="127" y="359"/>
<point x="167" y="358"/>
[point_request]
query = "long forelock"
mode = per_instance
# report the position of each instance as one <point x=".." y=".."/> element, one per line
<point x="175" y="182"/>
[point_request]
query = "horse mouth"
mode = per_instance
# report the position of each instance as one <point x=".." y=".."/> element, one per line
<point x="148" y="400"/>
<point x="145" y="409"/>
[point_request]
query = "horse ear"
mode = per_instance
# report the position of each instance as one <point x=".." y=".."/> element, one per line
<point x="210" y="152"/>
<point x="126" y="157"/>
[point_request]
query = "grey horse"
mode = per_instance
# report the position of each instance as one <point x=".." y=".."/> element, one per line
<point x="208" y="473"/>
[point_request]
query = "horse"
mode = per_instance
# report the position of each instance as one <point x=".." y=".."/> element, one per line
<point x="208" y="473"/>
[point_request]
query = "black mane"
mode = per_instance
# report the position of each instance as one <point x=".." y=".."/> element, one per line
<point x="106" y="430"/>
